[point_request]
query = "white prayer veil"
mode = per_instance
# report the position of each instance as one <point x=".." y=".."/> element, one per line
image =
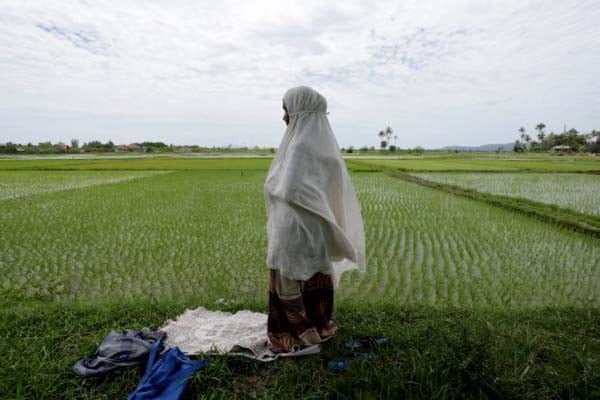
<point x="314" y="219"/>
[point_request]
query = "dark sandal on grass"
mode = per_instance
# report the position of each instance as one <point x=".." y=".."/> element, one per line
<point x="366" y="342"/>
<point x="338" y="365"/>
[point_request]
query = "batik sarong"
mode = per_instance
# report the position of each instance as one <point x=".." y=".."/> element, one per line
<point x="300" y="312"/>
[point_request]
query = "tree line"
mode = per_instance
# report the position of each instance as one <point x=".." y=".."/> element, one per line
<point x="385" y="136"/>
<point x="96" y="146"/>
<point x="567" y="141"/>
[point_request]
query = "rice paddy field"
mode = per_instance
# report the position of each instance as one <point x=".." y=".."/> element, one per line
<point x="478" y="301"/>
<point x="579" y="192"/>
<point x="485" y="163"/>
<point x="16" y="184"/>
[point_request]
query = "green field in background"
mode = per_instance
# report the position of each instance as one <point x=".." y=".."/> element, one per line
<point x="476" y="300"/>
<point x="484" y="164"/>
<point x="139" y="164"/>
<point x="177" y="235"/>
<point x="578" y="192"/>
<point x="427" y="162"/>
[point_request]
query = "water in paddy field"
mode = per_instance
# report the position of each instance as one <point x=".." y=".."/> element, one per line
<point x="201" y="235"/>
<point x="579" y="192"/>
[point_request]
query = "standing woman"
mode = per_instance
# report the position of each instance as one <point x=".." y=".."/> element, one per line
<point x="314" y="226"/>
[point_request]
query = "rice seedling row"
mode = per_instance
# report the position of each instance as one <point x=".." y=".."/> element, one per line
<point x="197" y="236"/>
<point x="455" y="251"/>
<point x="137" y="164"/>
<point x="440" y="164"/>
<point x="16" y="184"/>
<point x="579" y="192"/>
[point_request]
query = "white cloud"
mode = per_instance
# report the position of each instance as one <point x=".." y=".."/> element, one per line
<point x="439" y="72"/>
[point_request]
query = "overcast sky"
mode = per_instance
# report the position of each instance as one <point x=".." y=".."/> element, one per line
<point x="214" y="72"/>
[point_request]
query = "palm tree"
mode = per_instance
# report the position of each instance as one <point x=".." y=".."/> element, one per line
<point x="518" y="147"/>
<point x="388" y="133"/>
<point x="540" y="128"/>
<point x="385" y="136"/>
<point x="381" y="136"/>
<point x="522" y="132"/>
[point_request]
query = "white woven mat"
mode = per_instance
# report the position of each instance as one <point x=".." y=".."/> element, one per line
<point x="216" y="332"/>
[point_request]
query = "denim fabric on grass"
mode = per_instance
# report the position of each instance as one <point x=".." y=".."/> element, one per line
<point x="130" y="347"/>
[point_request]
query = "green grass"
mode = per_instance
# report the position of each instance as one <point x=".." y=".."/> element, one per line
<point x="478" y="301"/>
<point x="433" y="353"/>
<point x="579" y="192"/>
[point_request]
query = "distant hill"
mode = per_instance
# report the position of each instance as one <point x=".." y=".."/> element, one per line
<point x="506" y="147"/>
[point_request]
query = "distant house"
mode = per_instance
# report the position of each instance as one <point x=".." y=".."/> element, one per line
<point x="135" y="147"/>
<point x="561" y="149"/>
<point x="62" y="147"/>
<point x="121" y="148"/>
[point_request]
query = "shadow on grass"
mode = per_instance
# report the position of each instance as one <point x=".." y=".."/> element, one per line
<point x="432" y="353"/>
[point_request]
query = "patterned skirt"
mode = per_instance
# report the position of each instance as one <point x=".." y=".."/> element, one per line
<point x="299" y="311"/>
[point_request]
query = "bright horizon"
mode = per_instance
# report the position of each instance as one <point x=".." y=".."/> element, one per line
<point x="213" y="74"/>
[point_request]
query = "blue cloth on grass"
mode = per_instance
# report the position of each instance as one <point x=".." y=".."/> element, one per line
<point x="127" y="348"/>
<point x="166" y="376"/>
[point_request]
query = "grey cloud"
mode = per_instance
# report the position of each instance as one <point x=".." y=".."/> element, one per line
<point x="84" y="39"/>
<point x="464" y="69"/>
<point x="417" y="49"/>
